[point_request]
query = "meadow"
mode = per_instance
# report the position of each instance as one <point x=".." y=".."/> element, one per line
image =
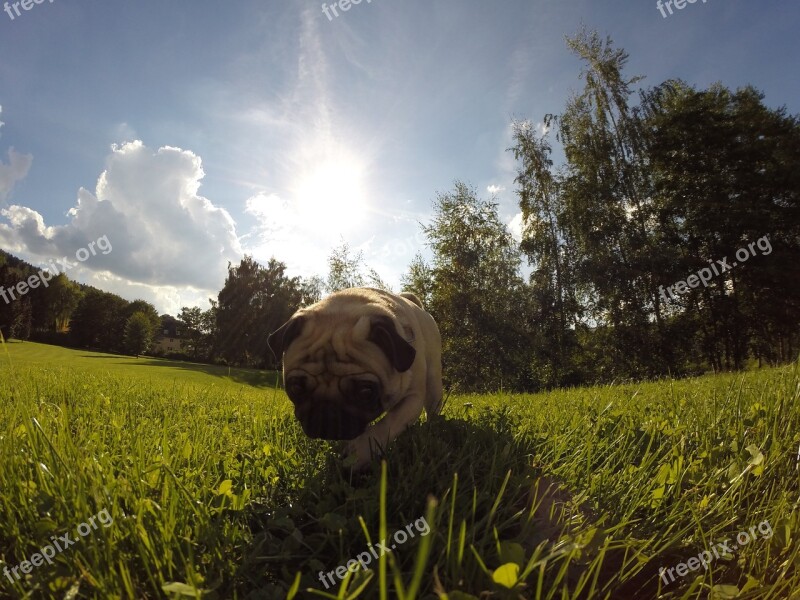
<point x="215" y="492"/>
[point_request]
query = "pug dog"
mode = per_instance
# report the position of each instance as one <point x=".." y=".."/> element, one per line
<point x="357" y="355"/>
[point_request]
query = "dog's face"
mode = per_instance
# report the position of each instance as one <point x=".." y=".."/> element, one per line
<point x="341" y="371"/>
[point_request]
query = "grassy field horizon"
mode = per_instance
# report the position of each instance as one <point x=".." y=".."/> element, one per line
<point x="26" y="354"/>
<point x="212" y="491"/>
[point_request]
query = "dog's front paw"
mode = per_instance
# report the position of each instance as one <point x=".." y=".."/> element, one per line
<point x="361" y="451"/>
<point x="357" y="454"/>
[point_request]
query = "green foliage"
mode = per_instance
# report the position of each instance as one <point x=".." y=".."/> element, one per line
<point x="49" y="305"/>
<point x="346" y="271"/>
<point x="148" y="311"/>
<point x="477" y="297"/>
<point x="199" y="330"/>
<point x="553" y="289"/>
<point x="253" y="303"/>
<point x="138" y="333"/>
<point x="649" y="195"/>
<point x="16" y="312"/>
<point x="419" y="280"/>
<point x="725" y="174"/>
<point x="99" y="321"/>
<point x="311" y="290"/>
<point x="21" y="319"/>
<point x="61" y="299"/>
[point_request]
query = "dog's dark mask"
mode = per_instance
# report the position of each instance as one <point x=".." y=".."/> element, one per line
<point x="343" y="417"/>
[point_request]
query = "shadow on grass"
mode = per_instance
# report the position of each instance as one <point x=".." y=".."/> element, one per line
<point x="480" y="470"/>
<point x="252" y="377"/>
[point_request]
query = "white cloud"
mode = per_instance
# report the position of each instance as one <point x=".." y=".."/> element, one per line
<point x="515" y="226"/>
<point x="167" y="239"/>
<point x="16" y="169"/>
<point x="542" y="128"/>
<point x="124" y="133"/>
<point x="495" y="189"/>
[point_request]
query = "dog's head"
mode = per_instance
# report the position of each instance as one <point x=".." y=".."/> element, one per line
<point x="342" y="368"/>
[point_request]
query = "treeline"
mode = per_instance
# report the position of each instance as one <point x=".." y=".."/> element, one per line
<point x="254" y="301"/>
<point x="61" y="311"/>
<point x="636" y="245"/>
<point x="650" y="194"/>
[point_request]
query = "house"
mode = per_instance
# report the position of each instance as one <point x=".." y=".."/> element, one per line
<point x="169" y="339"/>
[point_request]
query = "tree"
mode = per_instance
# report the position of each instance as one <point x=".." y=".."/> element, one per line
<point x="22" y="318"/>
<point x="477" y="296"/>
<point x="609" y="213"/>
<point x="198" y="326"/>
<point x="148" y="310"/>
<point x="208" y="325"/>
<point x="344" y="270"/>
<point x="374" y="280"/>
<point x="10" y="275"/>
<point x="237" y="311"/>
<point x="254" y="302"/>
<point x="99" y="321"/>
<point x="419" y="279"/>
<point x="726" y="173"/>
<point x="138" y="333"/>
<point x="648" y="196"/>
<point x="311" y="290"/>
<point x="549" y="246"/>
<point x="61" y="299"/>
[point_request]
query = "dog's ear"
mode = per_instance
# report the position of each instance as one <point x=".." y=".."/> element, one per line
<point x="383" y="333"/>
<point x="280" y="339"/>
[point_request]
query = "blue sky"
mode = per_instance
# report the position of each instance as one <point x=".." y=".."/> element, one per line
<point x="191" y="133"/>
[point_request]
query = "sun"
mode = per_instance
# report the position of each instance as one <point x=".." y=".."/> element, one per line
<point x="330" y="196"/>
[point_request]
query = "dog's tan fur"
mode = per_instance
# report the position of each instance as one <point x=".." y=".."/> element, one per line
<point x="334" y="343"/>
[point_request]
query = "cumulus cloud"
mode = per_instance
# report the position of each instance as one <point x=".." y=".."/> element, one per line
<point x="15" y="170"/>
<point x="495" y="189"/>
<point x="163" y="232"/>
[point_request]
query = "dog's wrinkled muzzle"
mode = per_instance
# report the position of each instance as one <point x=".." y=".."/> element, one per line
<point x="329" y="420"/>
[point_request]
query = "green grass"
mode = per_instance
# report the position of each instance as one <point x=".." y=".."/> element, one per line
<point x="29" y="354"/>
<point x="216" y="493"/>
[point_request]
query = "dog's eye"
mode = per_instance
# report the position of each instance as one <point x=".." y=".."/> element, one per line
<point x="296" y="385"/>
<point x="365" y="391"/>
